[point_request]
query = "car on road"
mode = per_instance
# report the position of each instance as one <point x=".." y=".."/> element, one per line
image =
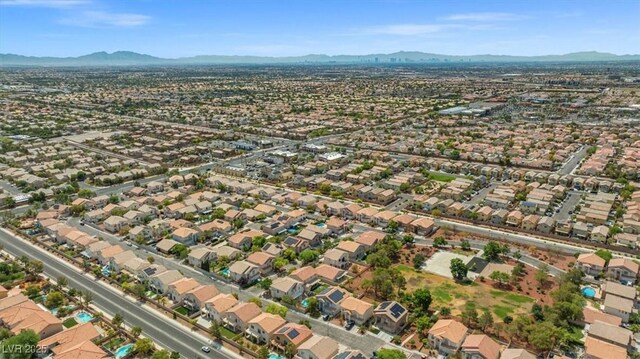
<point x="326" y="317"/>
<point x="206" y="349"/>
<point x="82" y="223"/>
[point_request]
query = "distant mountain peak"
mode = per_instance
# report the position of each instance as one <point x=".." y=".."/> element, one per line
<point x="123" y="58"/>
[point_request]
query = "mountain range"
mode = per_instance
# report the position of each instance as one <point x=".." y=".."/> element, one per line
<point x="128" y="58"/>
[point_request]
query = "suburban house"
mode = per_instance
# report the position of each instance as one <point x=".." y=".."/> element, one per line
<point x="317" y="347"/>
<point x="243" y="272"/>
<point x="160" y="282"/>
<point x="356" y="310"/>
<point x="480" y="346"/>
<point x="262" y="327"/>
<point x="590" y="263"/>
<point x="286" y="286"/>
<point x="623" y="269"/>
<point x="337" y="258"/>
<point x="329" y="300"/>
<point x="447" y="336"/>
<point x="390" y="316"/>
<point x="196" y="297"/>
<point x="291" y="333"/>
<point x="179" y="288"/>
<point x="237" y="318"/>
<point x="215" y="307"/>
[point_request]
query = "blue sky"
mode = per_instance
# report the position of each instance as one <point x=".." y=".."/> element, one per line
<point x="177" y="28"/>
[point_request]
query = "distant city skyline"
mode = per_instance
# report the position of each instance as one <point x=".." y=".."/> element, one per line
<point x="293" y="28"/>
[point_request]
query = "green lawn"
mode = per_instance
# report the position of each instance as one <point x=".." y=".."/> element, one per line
<point x="227" y="333"/>
<point x="182" y="310"/>
<point x="114" y="343"/>
<point x="70" y="322"/>
<point x="441" y="177"/>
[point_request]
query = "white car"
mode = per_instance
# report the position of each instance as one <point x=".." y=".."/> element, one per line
<point x="206" y="349"/>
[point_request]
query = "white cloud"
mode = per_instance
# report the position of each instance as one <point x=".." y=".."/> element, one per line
<point x="409" y="29"/>
<point x="485" y="16"/>
<point x="43" y="3"/>
<point x="102" y="19"/>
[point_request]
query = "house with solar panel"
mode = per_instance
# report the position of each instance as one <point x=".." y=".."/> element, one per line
<point x="291" y="333"/>
<point x="329" y="300"/>
<point x="390" y="316"/>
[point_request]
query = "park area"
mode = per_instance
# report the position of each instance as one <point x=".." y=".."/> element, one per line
<point x="446" y="292"/>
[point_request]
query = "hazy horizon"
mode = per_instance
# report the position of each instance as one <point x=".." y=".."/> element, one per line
<point x="69" y="28"/>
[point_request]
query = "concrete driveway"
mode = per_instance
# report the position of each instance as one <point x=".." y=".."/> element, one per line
<point x="440" y="262"/>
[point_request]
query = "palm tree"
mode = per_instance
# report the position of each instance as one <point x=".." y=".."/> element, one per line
<point x="87" y="297"/>
<point x="62" y="282"/>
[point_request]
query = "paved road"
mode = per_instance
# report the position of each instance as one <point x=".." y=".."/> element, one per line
<point x="573" y="197"/>
<point x="573" y="161"/>
<point x="482" y="194"/>
<point x="366" y="343"/>
<point x="163" y="330"/>
<point x="523" y="239"/>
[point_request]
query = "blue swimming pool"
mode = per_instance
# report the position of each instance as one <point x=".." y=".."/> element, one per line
<point x="84" y="317"/>
<point x="123" y="351"/>
<point x="276" y="356"/>
<point x="322" y="225"/>
<point x="305" y="303"/>
<point x="225" y="272"/>
<point x="588" y="292"/>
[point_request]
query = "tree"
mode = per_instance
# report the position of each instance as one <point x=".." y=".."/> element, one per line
<point x="469" y="315"/>
<point x="266" y="283"/>
<point x="541" y="275"/>
<point x="263" y="352"/>
<point x="214" y="330"/>
<point x="139" y="290"/>
<point x="174" y="355"/>
<point x="604" y="254"/>
<point x="309" y="255"/>
<point x="458" y="269"/>
<point x="87" y="297"/>
<point x="54" y="299"/>
<point x="143" y="347"/>
<point x="421" y="299"/>
<point x="62" y="281"/>
<point x="161" y="354"/>
<point x="465" y="245"/>
<point x="117" y="320"/>
<point x="537" y="313"/>
<point x="18" y="346"/>
<point x="418" y="261"/>
<point x="500" y="277"/>
<point x="136" y="331"/>
<point x="312" y="307"/>
<point x="486" y="320"/>
<point x="289" y="350"/>
<point x="545" y="336"/>
<point x="385" y="353"/>
<point x="493" y="250"/>
<point x="277" y="310"/>
<point x="439" y="242"/>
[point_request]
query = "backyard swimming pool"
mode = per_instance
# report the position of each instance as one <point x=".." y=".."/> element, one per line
<point x="123" y="351"/>
<point x="588" y="292"/>
<point x="84" y="317"/>
<point x="305" y="303"/>
<point x="275" y="356"/>
<point x="225" y="272"/>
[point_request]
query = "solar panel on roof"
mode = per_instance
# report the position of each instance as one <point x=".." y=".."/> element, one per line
<point x="336" y="296"/>
<point x="397" y="310"/>
<point x="282" y="330"/>
<point x="293" y="334"/>
<point x="384" y="305"/>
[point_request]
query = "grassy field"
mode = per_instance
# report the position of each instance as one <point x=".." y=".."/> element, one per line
<point x="446" y="292"/>
<point x="441" y="177"/>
